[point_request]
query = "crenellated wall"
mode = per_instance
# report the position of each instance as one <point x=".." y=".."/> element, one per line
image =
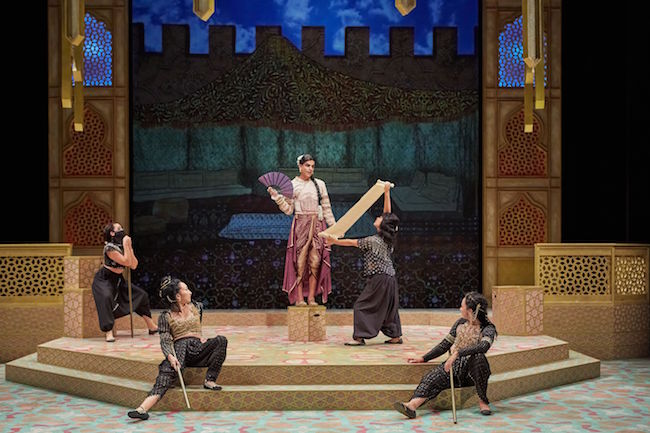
<point x="154" y="72"/>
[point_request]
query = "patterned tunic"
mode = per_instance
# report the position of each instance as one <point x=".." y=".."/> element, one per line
<point x="376" y="256"/>
<point x="470" y="368"/>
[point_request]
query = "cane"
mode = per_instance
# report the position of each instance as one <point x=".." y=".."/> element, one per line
<point x="180" y="377"/>
<point x="128" y="283"/>
<point x="453" y="396"/>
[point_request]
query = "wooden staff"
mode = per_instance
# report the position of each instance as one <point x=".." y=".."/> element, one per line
<point x="128" y="284"/>
<point x="180" y="377"/>
<point x="453" y="396"/>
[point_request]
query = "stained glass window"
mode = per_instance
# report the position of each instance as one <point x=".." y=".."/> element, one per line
<point x="98" y="54"/>
<point x="511" y="55"/>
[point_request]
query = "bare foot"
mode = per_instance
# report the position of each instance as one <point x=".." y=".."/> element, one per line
<point x="312" y="302"/>
<point x="110" y="337"/>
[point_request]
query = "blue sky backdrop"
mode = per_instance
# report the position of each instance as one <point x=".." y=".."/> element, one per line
<point x="292" y="15"/>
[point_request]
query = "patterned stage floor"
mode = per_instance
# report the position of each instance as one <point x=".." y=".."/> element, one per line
<point x="269" y="345"/>
<point x="618" y="402"/>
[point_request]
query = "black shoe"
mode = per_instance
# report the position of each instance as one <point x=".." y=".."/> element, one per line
<point x="401" y="408"/>
<point x="211" y="388"/>
<point x="486" y="412"/>
<point x="152" y="332"/>
<point x="138" y="415"/>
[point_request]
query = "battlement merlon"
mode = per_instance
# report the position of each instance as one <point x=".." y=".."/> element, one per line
<point x="222" y="41"/>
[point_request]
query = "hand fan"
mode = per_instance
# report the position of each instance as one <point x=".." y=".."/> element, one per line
<point x="278" y="181"/>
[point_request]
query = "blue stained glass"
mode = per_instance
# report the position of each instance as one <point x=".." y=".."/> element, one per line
<point x="98" y="50"/>
<point x="511" y="55"/>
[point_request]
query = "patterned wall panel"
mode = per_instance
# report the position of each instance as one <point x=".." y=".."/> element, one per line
<point x="31" y="276"/>
<point x="631" y="275"/>
<point x="523" y="154"/>
<point x="87" y="154"/>
<point x="522" y="223"/>
<point x="575" y="275"/>
<point x="83" y="223"/>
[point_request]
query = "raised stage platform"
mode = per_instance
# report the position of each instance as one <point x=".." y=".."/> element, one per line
<point x="266" y="371"/>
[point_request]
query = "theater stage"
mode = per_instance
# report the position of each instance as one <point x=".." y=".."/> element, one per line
<point x="266" y="371"/>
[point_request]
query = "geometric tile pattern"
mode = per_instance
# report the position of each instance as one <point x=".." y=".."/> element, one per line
<point x="87" y="153"/>
<point x="79" y="310"/>
<point x="535" y="311"/>
<point x="306" y="323"/>
<point x="522" y="223"/>
<point x="631" y="275"/>
<point x="523" y="154"/>
<point x="518" y="310"/>
<point x="609" y="331"/>
<point x="31" y="276"/>
<point x="81" y="223"/>
<point x="25" y="325"/>
<point x="265" y="355"/>
<point x="294" y="397"/>
<point x="575" y="275"/>
<point x="616" y="402"/>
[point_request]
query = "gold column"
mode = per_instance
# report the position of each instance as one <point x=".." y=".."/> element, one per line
<point x="73" y="34"/>
<point x="533" y="59"/>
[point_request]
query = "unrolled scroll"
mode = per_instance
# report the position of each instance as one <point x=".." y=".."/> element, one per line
<point x="352" y="216"/>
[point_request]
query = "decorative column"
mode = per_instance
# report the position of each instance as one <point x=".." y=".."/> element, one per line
<point x="89" y="170"/>
<point x="521" y="171"/>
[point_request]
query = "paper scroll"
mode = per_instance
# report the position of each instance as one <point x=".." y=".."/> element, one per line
<point x="352" y="216"/>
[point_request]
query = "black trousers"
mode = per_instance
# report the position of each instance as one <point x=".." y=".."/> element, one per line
<point x="376" y="309"/>
<point x="111" y="296"/>
<point x="190" y="352"/>
<point x="468" y="371"/>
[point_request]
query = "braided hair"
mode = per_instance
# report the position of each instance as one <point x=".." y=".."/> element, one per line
<point x="169" y="288"/>
<point x="301" y="160"/>
<point x="474" y="300"/>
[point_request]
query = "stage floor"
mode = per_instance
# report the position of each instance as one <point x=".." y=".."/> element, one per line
<point x="616" y="402"/>
<point x="270" y="346"/>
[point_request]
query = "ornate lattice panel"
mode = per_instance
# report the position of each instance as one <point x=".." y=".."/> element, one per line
<point x="31" y="276"/>
<point x="98" y="54"/>
<point x="511" y="54"/>
<point x="575" y="275"/>
<point x="631" y="275"/>
<point x="522" y="224"/>
<point x="83" y="223"/>
<point x="87" y="154"/>
<point x="523" y="154"/>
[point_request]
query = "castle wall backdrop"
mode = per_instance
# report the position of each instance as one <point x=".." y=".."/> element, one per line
<point x="208" y="120"/>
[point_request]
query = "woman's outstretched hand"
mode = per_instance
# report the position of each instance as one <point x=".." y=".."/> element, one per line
<point x="417" y="360"/>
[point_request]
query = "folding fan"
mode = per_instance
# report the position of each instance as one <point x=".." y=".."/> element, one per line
<point x="278" y="181"/>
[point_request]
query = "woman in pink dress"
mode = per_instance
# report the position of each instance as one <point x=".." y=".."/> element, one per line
<point x="307" y="260"/>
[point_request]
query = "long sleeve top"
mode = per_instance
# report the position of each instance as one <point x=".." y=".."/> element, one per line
<point x="171" y="329"/>
<point x="486" y="338"/>
<point x="305" y="199"/>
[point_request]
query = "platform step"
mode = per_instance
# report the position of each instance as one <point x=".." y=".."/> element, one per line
<point x="273" y="360"/>
<point x="130" y="393"/>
